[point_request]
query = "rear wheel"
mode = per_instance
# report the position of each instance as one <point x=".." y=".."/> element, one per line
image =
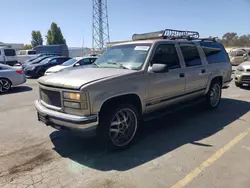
<point x="213" y="96"/>
<point x="5" y="85"/>
<point x="118" y="126"/>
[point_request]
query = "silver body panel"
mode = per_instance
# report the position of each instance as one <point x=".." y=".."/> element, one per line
<point x="155" y="90"/>
<point x="11" y="74"/>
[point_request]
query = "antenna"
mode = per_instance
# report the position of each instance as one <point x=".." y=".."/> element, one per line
<point x="100" y="28"/>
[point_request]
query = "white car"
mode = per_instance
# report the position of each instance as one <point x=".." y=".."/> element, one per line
<point x="74" y="62"/>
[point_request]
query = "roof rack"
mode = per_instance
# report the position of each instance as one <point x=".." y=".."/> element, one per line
<point x="168" y="34"/>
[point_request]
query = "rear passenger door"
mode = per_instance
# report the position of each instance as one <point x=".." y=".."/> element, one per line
<point x="195" y="73"/>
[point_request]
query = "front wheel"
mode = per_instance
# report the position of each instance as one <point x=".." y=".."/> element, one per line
<point x="237" y="84"/>
<point x="213" y="96"/>
<point x="118" y="126"/>
<point x="5" y="85"/>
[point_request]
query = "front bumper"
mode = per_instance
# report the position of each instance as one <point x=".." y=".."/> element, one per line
<point x="61" y="120"/>
<point x="242" y="77"/>
<point x="31" y="73"/>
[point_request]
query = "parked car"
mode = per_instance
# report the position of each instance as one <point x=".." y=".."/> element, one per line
<point x="38" y="69"/>
<point x="24" y="55"/>
<point x="8" y="56"/>
<point x="242" y="74"/>
<point x="38" y="56"/>
<point x="37" y="60"/>
<point x="134" y="81"/>
<point x="237" y="56"/>
<point x="74" y="62"/>
<point x="10" y="76"/>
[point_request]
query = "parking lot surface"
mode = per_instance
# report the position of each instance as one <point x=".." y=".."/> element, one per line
<point x="189" y="148"/>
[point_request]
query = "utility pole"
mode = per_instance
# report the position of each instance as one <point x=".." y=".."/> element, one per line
<point x="100" y="27"/>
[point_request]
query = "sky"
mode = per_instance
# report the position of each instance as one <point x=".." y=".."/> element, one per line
<point x="126" y="17"/>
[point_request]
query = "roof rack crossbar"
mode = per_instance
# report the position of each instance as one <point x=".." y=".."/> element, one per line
<point x="167" y="34"/>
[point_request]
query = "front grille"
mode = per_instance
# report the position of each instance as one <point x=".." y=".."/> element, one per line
<point x="51" y="97"/>
<point x="245" y="78"/>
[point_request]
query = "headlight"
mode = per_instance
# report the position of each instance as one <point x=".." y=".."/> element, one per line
<point x="240" y="69"/>
<point x="73" y="96"/>
<point x="75" y="105"/>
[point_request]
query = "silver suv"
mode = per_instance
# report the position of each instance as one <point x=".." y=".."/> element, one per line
<point x="132" y="80"/>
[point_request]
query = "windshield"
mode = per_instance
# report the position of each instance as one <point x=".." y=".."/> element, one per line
<point x="130" y="56"/>
<point x="69" y="62"/>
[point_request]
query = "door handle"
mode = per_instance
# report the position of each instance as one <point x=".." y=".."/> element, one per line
<point x="182" y="75"/>
<point x="203" y="71"/>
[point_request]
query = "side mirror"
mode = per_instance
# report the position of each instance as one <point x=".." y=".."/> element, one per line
<point x="77" y="64"/>
<point x="159" y="68"/>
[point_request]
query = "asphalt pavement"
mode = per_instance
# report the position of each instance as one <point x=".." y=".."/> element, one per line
<point x="190" y="148"/>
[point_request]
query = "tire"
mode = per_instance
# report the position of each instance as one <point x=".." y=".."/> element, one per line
<point x="237" y="84"/>
<point x="5" y="85"/>
<point x="213" y="96"/>
<point x="109" y="131"/>
<point x="40" y="73"/>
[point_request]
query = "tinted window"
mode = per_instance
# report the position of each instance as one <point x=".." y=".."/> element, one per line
<point x="166" y="54"/>
<point x="240" y="53"/>
<point x="53" y="61"/>
<point x="31" y="52"/>
<point x="214" y="52"/>
<point x="61" y="60"/>
<point x="191" y="55"/>
<point x="9" y="52"/>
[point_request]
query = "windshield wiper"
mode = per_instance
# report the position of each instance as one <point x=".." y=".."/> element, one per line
<point x="119" y="65"/>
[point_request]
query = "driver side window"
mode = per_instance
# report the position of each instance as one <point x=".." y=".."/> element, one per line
<point x="166" y="54"/>
<point x="53" y="61"/>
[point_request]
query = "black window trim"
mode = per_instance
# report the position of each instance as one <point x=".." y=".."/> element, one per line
<point x="190" y="44"/>
<point x="176" y="49"/>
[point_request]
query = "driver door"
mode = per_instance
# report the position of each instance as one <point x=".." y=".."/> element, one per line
<point x="165" y="88"/>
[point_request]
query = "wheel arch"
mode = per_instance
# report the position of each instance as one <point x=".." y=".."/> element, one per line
<point x="131" y="98"/>
<point x="218" y="78"/>
<point x="7" y="79"/>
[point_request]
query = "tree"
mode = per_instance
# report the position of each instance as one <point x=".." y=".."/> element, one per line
<point x="36" y="38"/>
<point x="54" y="35"/>
<point x="27" y="47"/>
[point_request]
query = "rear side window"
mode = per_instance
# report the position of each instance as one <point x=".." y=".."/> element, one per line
<point x="9" y="52"/>
<point x="191" y="55"/>
<point x="215" y="52"/>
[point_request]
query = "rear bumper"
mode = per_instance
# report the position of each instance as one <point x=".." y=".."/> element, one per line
<point x="62" y="120"/>
<point x="21" y="79"/>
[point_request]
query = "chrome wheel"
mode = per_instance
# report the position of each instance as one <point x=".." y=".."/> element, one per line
<point x="123" y="127"/>
<point x="215" y="94"/>
<point x="5" y="85"/>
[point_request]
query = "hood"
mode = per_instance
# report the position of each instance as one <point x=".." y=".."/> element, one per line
<point x="56" y="68"/>
<point x="74" y="79"/>
<point x="245" y="65"/>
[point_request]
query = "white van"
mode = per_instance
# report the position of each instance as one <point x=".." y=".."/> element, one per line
<point x="8" y="56"/>
<point x="24" y="55"/>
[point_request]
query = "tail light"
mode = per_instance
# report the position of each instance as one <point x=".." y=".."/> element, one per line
<point x="20" y="71"/>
